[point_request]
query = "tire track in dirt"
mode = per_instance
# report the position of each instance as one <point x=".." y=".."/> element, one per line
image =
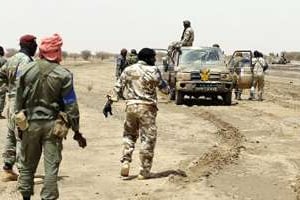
<point x="224" y="153"/>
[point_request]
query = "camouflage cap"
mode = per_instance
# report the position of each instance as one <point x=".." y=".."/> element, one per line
<point x="133" y="51"/>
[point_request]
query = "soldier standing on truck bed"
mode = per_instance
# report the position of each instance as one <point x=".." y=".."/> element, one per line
<point x="187" y="37"/>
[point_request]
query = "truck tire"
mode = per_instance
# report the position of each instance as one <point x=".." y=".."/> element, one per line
<point x="179" y="97"/>
<point x="227" y="98"/>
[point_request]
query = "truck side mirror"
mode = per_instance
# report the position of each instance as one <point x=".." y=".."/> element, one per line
<point x="165" y="64"/>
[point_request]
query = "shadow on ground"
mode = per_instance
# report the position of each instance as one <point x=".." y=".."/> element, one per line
<point x="162" y="174"/>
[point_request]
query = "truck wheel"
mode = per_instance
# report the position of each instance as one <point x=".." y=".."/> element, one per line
<point x="227" y="98"/>
<point x="179" y="97"/>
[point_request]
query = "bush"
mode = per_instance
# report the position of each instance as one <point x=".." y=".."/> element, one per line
<point x="74" y="55"/>
<point x="103" y="55"/>
<point x="65" y="54"/>
<point x="86" y="54"/>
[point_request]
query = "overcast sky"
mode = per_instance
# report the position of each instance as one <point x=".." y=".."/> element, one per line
<point x="109" y="25"/>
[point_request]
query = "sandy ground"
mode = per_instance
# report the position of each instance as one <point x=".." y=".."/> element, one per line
<point x="249" y="150"/>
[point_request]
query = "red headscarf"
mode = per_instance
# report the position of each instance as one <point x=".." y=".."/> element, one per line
<point x="50" y="48"/>
<point x="25" y="39"/>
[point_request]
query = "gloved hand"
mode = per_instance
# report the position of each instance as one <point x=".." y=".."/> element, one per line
<point x="107" y="107"/>
<point x="80" y="139"/>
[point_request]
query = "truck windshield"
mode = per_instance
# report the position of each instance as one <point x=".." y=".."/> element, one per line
<point x="201" y="56"/>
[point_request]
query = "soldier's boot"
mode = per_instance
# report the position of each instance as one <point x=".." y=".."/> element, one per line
<point x="125" y="169"/>
<point x="252" y="93"/>
<point x="9" y="175"/>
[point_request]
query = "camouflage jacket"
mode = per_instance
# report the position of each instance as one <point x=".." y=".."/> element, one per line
<point x="9" y="71"/>
<point x="2" y="61"/>
<point x="140" y="82"/>
<point x="132" y="59"/>
<point x="122" y="63"/>
<point x="188" y="37"/>
<point x="44" y="89"/>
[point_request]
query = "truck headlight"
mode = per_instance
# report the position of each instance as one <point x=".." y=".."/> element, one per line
<point x="225" y="76"/>
<point x="183" y="76"/>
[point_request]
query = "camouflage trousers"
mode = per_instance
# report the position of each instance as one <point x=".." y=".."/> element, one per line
<point x="9" y="154"/>
<point x="237" y="91"/>
<point x="259" y="83"/>
<point x="37" y="138"/>
<point x="2" y="100"/>
<point x="140" y="121"/>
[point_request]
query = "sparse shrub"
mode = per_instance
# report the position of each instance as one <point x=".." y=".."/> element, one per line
<point x="86" y="54"/>
<point x="64" y="54"/>
<point x="74" y="55"/>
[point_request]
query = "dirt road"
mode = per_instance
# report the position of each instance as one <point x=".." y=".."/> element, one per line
<point x="250" y="150"/>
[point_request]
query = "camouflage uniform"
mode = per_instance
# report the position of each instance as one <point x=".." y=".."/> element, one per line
<point x="187" y="38"/>
<point x="44" y="89"/>
<point x="237" y="65"/>
<point x="8" y="74"/>
<point x="132" y="59"/>
<point x="140" y="81"/>
<point x="122" y="63"/>
<point x="260" y="65"/>
<point x="3" y="89"/>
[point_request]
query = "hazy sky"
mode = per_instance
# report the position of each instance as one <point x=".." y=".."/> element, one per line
<point x="109" y="25"/>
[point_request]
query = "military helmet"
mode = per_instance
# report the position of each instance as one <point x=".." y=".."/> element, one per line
<point x="133" y="51"/>
<point x="186" y="22"/>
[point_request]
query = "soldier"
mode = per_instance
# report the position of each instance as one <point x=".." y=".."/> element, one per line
<point x="2" y="88"/>
<point x="8" y="74"/>
<point x="259" y="67"/>
<point x="122" y="63"/>
<point x="45" y="90"/>
<point x="187" y="37"/>
<point x="133" y="58"/>
<point x="140" y="80"/>
<point x="237" y="65"/>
